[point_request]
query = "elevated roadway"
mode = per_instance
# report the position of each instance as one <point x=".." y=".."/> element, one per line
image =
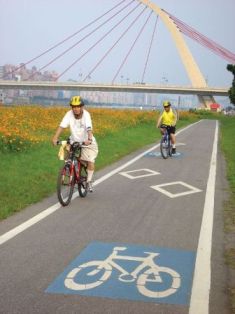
<point x="102" y="87"/>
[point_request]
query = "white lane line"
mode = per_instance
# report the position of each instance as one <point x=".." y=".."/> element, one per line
<point x="15" y="231"/>
<point x="199" y="303"/>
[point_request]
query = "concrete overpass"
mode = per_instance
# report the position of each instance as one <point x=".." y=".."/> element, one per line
<point x="102" y="87"/>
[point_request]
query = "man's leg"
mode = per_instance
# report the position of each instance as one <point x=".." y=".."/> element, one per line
<point x="90" y="172"/>
<point x="162" y="130"/>
<point x="173" y="140"/>
<point x="89" y="154"/>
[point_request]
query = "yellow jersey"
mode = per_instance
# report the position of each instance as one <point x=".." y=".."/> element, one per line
<point x="168" y="118"/>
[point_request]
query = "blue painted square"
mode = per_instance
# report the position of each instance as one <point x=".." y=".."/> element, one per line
<point x="153" y="154"/>
<point x="126" y="271"/>
<point x="158" y="154"/>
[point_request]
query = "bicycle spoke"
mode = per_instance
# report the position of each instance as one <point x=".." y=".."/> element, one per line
<point x="65" y="185"/>
<point x="164" y="148"/>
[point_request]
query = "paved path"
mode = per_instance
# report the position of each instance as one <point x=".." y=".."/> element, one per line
<point x="145" y="212"/>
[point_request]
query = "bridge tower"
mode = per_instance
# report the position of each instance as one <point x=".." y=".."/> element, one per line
<point x="187" y="59"/>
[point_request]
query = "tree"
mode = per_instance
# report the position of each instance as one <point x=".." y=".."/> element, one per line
<point x="231" y="92"/>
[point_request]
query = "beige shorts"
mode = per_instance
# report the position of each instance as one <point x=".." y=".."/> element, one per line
<point x="89" y="153"/>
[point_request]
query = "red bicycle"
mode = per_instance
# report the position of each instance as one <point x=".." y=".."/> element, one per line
<point x="73" y="172"/>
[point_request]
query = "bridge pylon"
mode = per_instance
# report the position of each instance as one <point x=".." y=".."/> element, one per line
<point x="187" y="59"/>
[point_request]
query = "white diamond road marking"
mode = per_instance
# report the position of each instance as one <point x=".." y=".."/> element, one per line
<point x="191" y="189"/>
<point x="147" y="174"/>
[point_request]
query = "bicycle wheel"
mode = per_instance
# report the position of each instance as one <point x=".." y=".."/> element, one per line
<point x="65" y="185"/>
<point x="164" y="148"/>
<point x="82" y="182"/>
<point x="158" y="283"/>
<point x="88" y="275"/>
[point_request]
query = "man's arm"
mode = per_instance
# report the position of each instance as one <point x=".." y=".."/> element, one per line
<point x="89" y="135"/>
<point x="176" y="117"/>
<point x="57" y="134"/>
<point x="159" y="121"/>
<point x="88" y="128"/>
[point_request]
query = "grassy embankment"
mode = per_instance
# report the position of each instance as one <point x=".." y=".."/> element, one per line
<point x="227" y="135"/>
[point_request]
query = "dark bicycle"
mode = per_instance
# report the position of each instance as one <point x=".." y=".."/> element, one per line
<point x="74" y="171"/>
<point x="165" y="143"/>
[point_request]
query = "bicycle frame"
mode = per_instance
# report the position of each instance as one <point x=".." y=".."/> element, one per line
<point x="75" y="160"/>
<point x="147" y="261"/>
<point x="72" y="173"/>
<point x="165" y="144"/>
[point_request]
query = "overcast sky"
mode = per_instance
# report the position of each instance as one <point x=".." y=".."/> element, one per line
<point x="29" y="27"/>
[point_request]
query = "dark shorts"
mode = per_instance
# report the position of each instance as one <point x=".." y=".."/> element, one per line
<point x="170" y="129"/>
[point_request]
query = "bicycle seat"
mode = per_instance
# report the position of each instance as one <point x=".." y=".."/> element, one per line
<point x="152" y="253"/>
<point x="120" y="248"/>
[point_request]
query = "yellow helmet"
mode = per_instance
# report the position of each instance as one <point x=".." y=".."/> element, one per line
<point x="76" y="101"/>
<point x="166" y="103"/>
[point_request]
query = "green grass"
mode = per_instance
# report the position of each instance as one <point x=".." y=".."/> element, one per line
<point x="26" y="178"/>
<point x="227" y="136"/>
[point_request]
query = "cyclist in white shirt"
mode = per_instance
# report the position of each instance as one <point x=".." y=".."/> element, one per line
<point x="79" y="121"/>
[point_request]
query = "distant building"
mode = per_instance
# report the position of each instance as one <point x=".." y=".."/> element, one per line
<point x="1" y="72"/>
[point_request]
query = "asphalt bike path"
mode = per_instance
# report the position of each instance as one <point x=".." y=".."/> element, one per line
<point x="142" y="242"/>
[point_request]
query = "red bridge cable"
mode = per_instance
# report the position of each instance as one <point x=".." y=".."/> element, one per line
<point x="150" y="47"/>
<point x="203" y="40"/>
<point x="116" y="42"/>
<point x="140" y="32"/>
<point x="98" y="41"/>
<point x="66" y="39"/>
<point x="83" y="38"/>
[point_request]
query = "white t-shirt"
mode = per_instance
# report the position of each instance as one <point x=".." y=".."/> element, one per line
<point x="78" y="127"/>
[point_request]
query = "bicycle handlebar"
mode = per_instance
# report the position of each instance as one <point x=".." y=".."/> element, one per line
<point x="166" y="126"/>
<point x="75" y="144"/>
<point x="60" y="142"/>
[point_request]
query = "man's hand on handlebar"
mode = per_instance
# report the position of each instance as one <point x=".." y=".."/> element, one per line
<point x="87" y="142"/>
<point x="55" y="141"/>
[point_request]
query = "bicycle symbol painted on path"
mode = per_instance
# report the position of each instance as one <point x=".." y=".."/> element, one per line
<point x="148" y="276"/>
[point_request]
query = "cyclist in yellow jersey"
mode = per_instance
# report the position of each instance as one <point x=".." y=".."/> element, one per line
<point x="168" y="118"/>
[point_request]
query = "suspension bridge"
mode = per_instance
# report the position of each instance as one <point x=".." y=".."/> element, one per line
<point x="126" y="12"/>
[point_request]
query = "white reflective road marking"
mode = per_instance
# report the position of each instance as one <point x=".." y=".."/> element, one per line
<point x="103" y="269"/>
<point x="148" y="172"/>
<point x="199" y="303"/>
<point x="191" y="189"/>
<point x="15" y="231"/>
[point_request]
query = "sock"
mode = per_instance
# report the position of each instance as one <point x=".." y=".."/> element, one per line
<point x="173" y="146"/>
<point x="89" y="175"/>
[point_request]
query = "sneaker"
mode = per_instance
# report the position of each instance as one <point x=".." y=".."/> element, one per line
<point x="89" y="186"/>
<point x="173" y="150"/>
